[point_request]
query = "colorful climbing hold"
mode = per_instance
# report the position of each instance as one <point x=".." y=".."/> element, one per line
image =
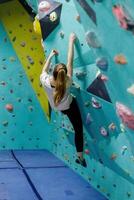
<point x="112" y="126"/>
<point x="113" y="156"/>
<point x="123" y="149"/>
<point x="95" y="103"/>
<point x="9" y="107"/>
<point x="53" y="16"/>
<point x="131" y="89"/>
<point x="92" y="39"/>
<point x="102" y="63"/>
<point x="103" y="131"/>
<point x="44" y="6"/>
<point x="87" y="151"/>
<point x="126" y="115"/>
<point x="120" y="59"/>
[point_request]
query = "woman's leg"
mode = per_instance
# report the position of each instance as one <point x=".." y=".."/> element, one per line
<point x="74" y="116"/>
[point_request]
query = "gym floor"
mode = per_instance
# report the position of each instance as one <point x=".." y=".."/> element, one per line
<point x="38" y="174"/>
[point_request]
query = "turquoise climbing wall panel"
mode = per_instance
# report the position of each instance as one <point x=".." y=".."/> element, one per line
<point x="103" y="57"/>
<point x="22" y="122"/>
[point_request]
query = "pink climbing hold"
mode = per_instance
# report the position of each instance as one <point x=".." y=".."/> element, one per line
<point x="103" y="131"/>
<point x="104" y="78"/>
<point x="9" y="107"/>
<point x="44" y="6"/>
<point x="120" y="15"/>
<point x="126" y="115"/>
<point x="87" y="151"/>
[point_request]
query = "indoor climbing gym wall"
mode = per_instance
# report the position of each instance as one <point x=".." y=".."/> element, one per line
<point x="23" y="124"/>
<point x="103" y="85"/>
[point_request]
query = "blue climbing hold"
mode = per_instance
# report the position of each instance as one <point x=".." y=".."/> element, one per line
<point x="102" y="63"/>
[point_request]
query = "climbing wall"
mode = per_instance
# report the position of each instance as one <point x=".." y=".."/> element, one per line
<point x="22" y="121"/>
<point x="103" y="86"/>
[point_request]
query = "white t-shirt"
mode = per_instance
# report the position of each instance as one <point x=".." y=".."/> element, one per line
<point x="64" y="104"/>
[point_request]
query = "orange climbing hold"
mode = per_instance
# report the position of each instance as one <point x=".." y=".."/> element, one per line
<point x="120" y="59"/>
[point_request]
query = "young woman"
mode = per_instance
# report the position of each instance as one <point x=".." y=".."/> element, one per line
<point x="57" y="88"/>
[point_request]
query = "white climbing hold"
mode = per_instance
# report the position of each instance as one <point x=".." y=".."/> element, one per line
<point x="131" y="89"/>
<point x="44" y="6"/>
<point x="53" y="16"/>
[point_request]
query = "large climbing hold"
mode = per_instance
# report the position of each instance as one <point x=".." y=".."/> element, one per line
<point x="126" y="115"/>
<point x="92" y="39"/>
<point x="44" y="6"/>
<point x="50" y="17"/>
<point x="125" y="19"/>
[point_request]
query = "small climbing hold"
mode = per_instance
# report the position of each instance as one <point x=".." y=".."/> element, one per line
<point x="131" y="89"/>
<point x="112" y="126"/>
<point x="19" y="99"/>
<point x="30" y="123"/>
<point x="12" y="59"/>
<point x="102" y="63"/>
<point x="87" y="103"/>
<point x="5" y="123"/>
<point x="23" y="44"/>
<point x="92" y="39"/>
<point x="88" y="119"/>
<point x="128" y="194"/>
<point x="87" y="151"/>
<point x="53" y="16"/>
<point x="9" y="107"/>
<point x="95" y="103"/>
<point x="36" y="25"/>
<point x="122" y="127"/>
<point x="78" y="18"/>
<point x="44" y="6"/>
<point x="30" y="60"/>
<point x="81" y="75"/>
<point x="30" y="108"/>
<point x="76" y="85"/>
<point x="5" y="39"/>
<point x="103" y="131"/>
<point x="123" y="149"/>
<point x="62" y="34"/>
<point x="14" y="38"/>
<point x="104" y="78"/>
<point x="120" y="59"/>
<point x="3" y="83"/>
<point x="113" y="156"/>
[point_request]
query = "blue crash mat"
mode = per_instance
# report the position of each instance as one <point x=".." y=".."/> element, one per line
<point x="62" y="184"/>
<point x="6" y="160"/>
<point x="14" y="186"/>
<point x="37" y="158"/>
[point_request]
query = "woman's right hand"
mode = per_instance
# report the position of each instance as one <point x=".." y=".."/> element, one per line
<point x="72" y="37"/>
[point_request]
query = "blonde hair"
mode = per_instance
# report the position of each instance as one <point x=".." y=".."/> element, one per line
<point x="59" y="75"/>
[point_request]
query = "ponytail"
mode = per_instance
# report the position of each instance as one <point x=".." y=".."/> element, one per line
<point x="60" y="83"/>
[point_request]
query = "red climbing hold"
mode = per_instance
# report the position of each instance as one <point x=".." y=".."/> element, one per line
<point x="9" y="107"/>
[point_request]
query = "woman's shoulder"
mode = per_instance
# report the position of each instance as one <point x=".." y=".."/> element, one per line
<point x="45" y="79"/>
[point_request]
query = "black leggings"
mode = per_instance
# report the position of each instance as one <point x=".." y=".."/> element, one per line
<point x="74" y="116"/>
